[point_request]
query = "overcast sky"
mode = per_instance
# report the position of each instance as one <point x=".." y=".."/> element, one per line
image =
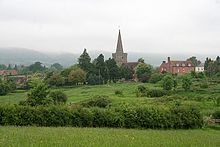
<point x="155" y="26"/>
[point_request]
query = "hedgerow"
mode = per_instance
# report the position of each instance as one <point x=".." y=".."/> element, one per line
<point x="120" y="117"/>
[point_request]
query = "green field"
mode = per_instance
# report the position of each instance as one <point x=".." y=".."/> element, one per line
<point x="35" y="136"/>
<point x="201" y="98"/>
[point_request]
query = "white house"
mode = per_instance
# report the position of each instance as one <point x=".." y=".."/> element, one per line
<point x="199" y="68"/>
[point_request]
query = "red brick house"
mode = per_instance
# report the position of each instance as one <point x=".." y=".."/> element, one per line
<point x="12" y="72"/>
<point x="177" y="67"/>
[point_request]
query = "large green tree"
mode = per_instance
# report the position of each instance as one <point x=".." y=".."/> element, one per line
<point x="77" y="76"/>
<point x="101" y="68"/>
<point x="112" y="69"/>
<point x="84" y="61"/>
<point x="143" y="72"/>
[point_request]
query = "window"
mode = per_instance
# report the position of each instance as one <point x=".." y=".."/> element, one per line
<point x="183" y="64"/>
<point x="189" y="64"/>
<point x="177" y="65"/>
<point x="178" y="70"/>
<point x="183" y="70"/>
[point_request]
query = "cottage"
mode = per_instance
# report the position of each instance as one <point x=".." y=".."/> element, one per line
<point x="177" y="67"/>
<point x="199" y="68"/>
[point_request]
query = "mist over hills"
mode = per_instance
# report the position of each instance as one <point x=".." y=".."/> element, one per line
<point x="23" y="56"/>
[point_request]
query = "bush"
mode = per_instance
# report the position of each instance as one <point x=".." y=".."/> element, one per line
<point x="119" y="92"/>
<point x="168" y="82"/>
<point x="216" y="114"/>
<point x="204" y="85"/>
<point x="101" y="101"/>
<point x="38" y="96"/>
<point x="58" y="97"/>
<point x="156" y="93"/>
<point x="126" y="117"/>
<point x="141" y="91"/>
<point x="186" y="83"/>
<point x="156" y="77"/>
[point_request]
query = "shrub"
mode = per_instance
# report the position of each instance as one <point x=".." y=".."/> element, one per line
<point x="216" y="114"/>
<point x="186" y="83"/>
<point x="156" y="77"/>
<point x="156" y="93"/>
<point x="168" y="82"/>
<point x="38" y="96"/>
<point x="204" y="85"/>
<point x="101" y="101"/>
<point x="126" y="117"/>
<point x="58" y="97"/>
<point x="119" y="92"/>
<point x="141" y="91"/>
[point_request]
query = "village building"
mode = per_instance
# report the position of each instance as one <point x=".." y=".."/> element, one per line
<point x="12" y="72"/>
<point x="121" y="57"/>
<point x="177" y="67"/>
<point x="200" y="68"/>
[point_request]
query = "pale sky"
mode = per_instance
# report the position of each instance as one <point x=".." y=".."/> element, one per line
<point x="155" y="26"/>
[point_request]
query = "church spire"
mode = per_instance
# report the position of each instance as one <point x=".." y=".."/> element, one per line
<point x="119" y="48"/>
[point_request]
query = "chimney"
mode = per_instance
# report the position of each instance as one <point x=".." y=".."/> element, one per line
<point x="168" y="59"/>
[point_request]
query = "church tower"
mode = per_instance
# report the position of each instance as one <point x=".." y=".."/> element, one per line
<point x="120" y="57"/>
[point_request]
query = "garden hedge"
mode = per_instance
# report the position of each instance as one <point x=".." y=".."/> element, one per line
<point x="123" y="117"/>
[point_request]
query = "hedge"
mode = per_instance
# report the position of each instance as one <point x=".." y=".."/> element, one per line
<point x="129" y="117"/>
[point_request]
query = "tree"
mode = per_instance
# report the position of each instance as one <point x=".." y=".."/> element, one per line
<point x="4" y="88"/>
<point x="77" y="76"/>
<point x="144" y="72"/>
<point x="56" y="66"/>
<point x="56" y="80"/>
<point x="94" y="79"/>
<point x="35" y="80"/>
<point x="58" y="97"/>
<point x="126" y="72"/>
<point x="168" y="82"/>
<point x="101" y="68"/>
<point x="85" y="61"/>
<point x="112" y="69"/>
<point x="156" y="77"/>
<point x="141" y="60"/>
<point x="194" y="61"/>
<point x="3" y="67"/>
<point x="37" y="67"/>
<point x="38" y="96"/>
<point x="186" y="83"/>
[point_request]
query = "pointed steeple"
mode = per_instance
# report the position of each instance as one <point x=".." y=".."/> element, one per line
<point x="119" y="48"/>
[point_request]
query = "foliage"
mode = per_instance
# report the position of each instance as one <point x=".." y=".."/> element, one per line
<point x="36" y="67"/>
<point x="125" y="72"/>
<point x="156" y="77"/>
<point x="128" y="117"/>
<point x="56" y="80"/>
<point x="112" y="69"/>
<point x="143" y="72"/>
<point x="216" y="114"/>
<point x="186" y="83"/>
<point x="194" y="61"/>
<point x="101" y="101"/>
<point x="56" y="66"/>
<point x="3" y="67"/>
<point x="94" y="79"/>
<point x="168" y="82"/>
<point x="38" y="96"/>
<point x="4" y="88"/>
<point x="119" y="92"/>
<point x="35" y="80"/>
<point x="100" y="68"/>
<point x="84" y="61"/>
<point x="58" y="97"/>
<point x="77" y="76"/>
<point x="141" y="91"/>
<point x="156" y="92"/>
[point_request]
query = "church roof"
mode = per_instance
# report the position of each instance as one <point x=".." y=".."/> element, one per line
<point x="119" y="43"/>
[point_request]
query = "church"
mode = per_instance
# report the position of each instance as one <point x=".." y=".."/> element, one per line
<point x="121" y="57"/>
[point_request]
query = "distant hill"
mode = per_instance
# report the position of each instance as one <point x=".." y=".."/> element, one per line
<point x="23" y="56"/>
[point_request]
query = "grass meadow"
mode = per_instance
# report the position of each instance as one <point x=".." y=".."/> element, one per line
<point x="67" y="136"/>
<point x="64" y="136"/>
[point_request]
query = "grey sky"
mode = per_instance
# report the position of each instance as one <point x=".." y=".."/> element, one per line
<point x="156" y="26"/>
